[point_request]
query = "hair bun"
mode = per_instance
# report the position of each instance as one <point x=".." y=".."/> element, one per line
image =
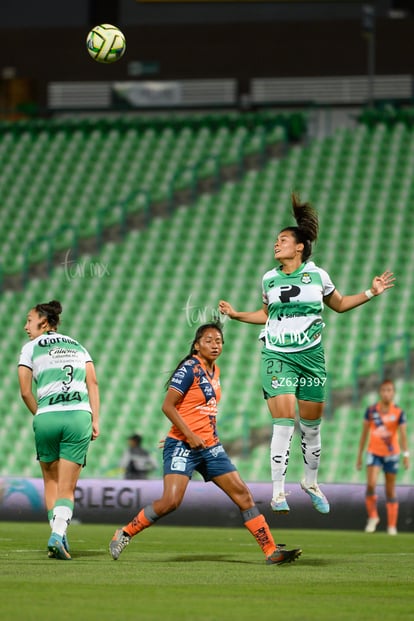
<point x="56" y="306"/>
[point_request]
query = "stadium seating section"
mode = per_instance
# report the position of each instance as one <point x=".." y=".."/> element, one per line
<point x="137" y="303"/>
<point x="75" y="169"/>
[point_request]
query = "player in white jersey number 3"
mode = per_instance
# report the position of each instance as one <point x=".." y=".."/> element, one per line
<point x="65" y="411"/>
<point x="293" y="362"/>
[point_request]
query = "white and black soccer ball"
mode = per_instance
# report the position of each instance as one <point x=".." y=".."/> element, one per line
<point x="106" y="43"/>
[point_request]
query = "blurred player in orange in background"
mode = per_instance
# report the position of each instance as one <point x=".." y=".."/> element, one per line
<point x="382" y="422"/>
<point x="192" y="445"/>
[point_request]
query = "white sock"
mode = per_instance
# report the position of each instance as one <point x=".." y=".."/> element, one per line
<point x="279" y="453"/>
<point x="311" y="449"/>
<point x="61" y="519"/>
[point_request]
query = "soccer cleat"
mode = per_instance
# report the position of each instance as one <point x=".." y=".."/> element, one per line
<point x="372" y="524"/>
<point x="281" y="556"/>
<point x="65" y="545"/>
<point x="391" y="530"/>
<point x="279" y="504"/>
<point x="119" y="541"/>
<point x="318" y="498"/>
<point x="57" y="549"/>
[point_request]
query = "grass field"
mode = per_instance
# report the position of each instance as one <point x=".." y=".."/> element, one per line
<point x="204" y="574"/>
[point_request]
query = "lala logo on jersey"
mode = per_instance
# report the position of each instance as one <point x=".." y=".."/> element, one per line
<point x="306" y="278"/>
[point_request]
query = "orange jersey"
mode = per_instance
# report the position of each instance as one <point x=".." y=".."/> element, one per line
<point x="201" y="393"/>
<point x="383" y="429"/>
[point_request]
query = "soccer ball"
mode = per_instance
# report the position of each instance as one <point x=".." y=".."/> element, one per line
<point x="106" y="43"/>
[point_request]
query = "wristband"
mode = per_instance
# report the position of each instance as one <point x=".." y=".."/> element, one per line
<point x="369" y="294"/>
<point x="406" y="454"/>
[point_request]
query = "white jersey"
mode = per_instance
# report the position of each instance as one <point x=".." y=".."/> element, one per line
<point x="58" y="365"/>
<point x="295" y="304"/>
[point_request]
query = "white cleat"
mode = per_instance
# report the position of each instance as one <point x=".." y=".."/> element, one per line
<point x="372" y="524"/>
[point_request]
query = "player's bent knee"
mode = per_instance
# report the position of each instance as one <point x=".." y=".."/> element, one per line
<point x="168" y="505"/>
<point x="243" y="499"/>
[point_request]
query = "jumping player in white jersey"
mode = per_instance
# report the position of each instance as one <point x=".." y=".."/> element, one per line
<point x="65" y="410"/>
<point x="293" y="363"/>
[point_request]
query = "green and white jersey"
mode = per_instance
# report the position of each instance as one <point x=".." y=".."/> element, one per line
<point x="295" y="304"/>
<point x="58" y="365"/>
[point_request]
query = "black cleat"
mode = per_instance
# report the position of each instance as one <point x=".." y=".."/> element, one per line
<point x="281" y="556"/>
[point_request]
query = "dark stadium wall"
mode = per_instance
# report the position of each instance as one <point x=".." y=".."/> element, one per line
<point x="52" y="14"/>
<point x="109" y="501"/>
<point x="240" y="51"/>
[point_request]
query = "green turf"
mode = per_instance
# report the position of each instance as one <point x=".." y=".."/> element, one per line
<point x="204" y="574"/>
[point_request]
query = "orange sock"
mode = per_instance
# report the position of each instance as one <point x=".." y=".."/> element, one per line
<point x="371" y="505"/>
<point x="138" y="524"/>
<point x="261" y="532"/>
<point x="392" y="513"/>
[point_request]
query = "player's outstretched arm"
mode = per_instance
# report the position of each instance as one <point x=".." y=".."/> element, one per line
<point x="258" y="317"/>
<point x="342" y="303"/>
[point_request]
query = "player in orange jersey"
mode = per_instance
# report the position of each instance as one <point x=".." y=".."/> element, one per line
<point x="382" y="422"/>
<point x="193" y="444"/>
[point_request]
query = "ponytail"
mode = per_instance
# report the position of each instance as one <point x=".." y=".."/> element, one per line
<point x="307" y="228"/>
